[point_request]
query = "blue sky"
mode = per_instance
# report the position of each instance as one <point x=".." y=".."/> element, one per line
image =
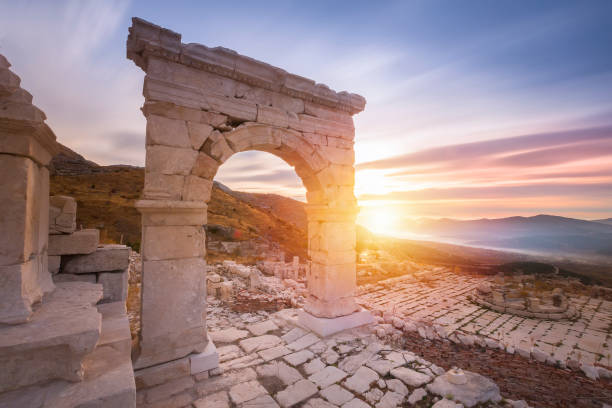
<point x="435" y="74"/>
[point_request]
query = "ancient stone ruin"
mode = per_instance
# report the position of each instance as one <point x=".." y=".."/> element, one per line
<point x="65" y="339"/>
<point x="202" y="106"/>
<point x="517" y="295"/>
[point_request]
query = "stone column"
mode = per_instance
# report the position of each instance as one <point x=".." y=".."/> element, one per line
<point x="27" y="145"/>
<point x="173" y="311"/>
<point x="330" y="306"/>
<point x="331" y="246"/>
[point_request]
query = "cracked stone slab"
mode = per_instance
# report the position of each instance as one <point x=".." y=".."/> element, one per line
<point x="273" y="353"/>
<point x="478" y="389"/>
<point x="314" y="366"/>
<point x="293" y="335"/>
<point x="253" y="344"/>
<point x="298" y="392"/>
<point x="361" y="380"/>
<point x="288" y="375"/>
<point x="390" y="400"/>
<point x="228" y="335"/>
<point x="246" y="391"/>
<point x="262" y="328"/>
<point x="382" y="367"/>
<point x="303" y="342"/>
<point x="327" y="376"/>
<point x="298" y="358"/>
<point x="410" y="377"/>
<point x="336" y="394"/>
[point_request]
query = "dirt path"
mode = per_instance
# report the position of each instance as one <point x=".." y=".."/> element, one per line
<point x="539" y="384"/>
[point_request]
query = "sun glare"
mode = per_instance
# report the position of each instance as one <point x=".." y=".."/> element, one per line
<point x="380" y="219"/>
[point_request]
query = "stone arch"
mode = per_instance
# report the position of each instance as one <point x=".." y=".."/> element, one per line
<point x="203" y="105"/>
<point x="288" y="145"/>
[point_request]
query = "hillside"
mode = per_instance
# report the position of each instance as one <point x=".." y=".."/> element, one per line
<point x="106" y="196"/>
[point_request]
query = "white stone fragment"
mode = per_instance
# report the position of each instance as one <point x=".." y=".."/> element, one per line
<point x="298" y="358"/>
<point x="410" y="377"/>
<point x="298" y="392"/>
<point x="390" y="400"/>
<point x="361" y="380"/>
<point x="327" y="376"/>
<point x="253" y="344"/>
<point x="336" y="394"/>
<point x="228" y="335"/>
<point x="303" y="342"/>
<point x="314" y="366"/>
<point x="417" y="395"/>
<point x="261" y="328"/>
<point x="246" y="391"/>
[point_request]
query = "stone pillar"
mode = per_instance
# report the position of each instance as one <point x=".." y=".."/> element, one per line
<point x="27" y="145"/>
<point x="331" y="246"/>
<point x="330" y="306"/>
<point x="173" y="311"/>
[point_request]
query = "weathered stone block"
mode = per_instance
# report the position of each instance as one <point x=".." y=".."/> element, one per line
<point x="173" y="305"/>
<point x="198" y="133"/>
<point x="115" y="285"/>
<point x="56" y="340"/>
<point x="80" y="242"/>
<point x="170" y="160"/>
<point x="105" y="258"/>
<point x="72" y="277"/>
<point x="18" y="219"/>
<point x="219" y="149"/>
<point x="167" y="132"/>
<point x="197" y="189"/>
<point x="171" y="212"/>
<point x="20" y="289"/>
<point x="62" y="215"/>
<point x="163" y="186"/>
<point x="272" y="116"/>
<point x="205" y="166"/>
<point x="206" y="360"/>
<point x="162" y="373"/>
<point x="173" y="242"/>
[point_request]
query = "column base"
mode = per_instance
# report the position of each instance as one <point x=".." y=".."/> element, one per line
<point x="206" y="360"/>
<point x="326" y="327"/>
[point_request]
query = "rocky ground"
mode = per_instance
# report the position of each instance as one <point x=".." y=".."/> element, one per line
<point x="438" y="304"/>
<point x="267" y="362"/>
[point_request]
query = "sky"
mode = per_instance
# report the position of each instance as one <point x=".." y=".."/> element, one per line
<point x="474" y="108"/>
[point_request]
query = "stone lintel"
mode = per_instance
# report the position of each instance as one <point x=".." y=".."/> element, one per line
<point x="326" y="327"/>
<point x="146" y="39"/>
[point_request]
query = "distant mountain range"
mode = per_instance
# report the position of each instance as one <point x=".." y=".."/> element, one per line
<point x="541" y="233"/>
<point x="606" y="221"/>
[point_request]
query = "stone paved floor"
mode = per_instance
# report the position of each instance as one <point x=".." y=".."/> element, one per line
<point x="440" y="297"/>
<point x="268" y="362"/>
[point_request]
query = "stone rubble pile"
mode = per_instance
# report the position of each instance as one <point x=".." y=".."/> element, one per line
<point x="438" y="307"/>
<point x="231" y="282"/>
<point x="77" y="256"/>
<point x="268" y="361"/>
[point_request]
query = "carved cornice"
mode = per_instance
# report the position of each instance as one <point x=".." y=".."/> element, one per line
<point x="149" y="40"/>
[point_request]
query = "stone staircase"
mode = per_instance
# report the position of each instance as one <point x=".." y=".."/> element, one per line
<point x="71" y="354"/>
